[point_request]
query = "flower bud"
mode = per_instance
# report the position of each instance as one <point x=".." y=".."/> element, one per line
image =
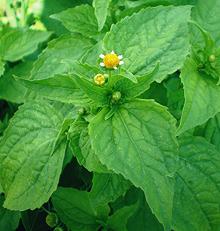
<point x="81" y="111"/>
<point x="58" y="229"/>
<point x="52" y="220"/>
<point x="99" y="79"/>
<point x="212" y="58"/>
<point x="116" y="96"/>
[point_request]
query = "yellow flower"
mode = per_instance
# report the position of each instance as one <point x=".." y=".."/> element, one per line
<point x="111" y="61"/>
<point x="99" y="79"/>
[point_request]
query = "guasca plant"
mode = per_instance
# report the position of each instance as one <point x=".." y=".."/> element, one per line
<point x="131" y="94"/>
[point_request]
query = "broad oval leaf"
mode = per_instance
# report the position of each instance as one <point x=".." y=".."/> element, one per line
<point x="53" y="59"/>
<point x="76" y="210"/>
<point x="138" y="141"/>
<point x="152" y="35"/>
<point x="197" y="188"/>
<point x="30" y="159"/>
<point x="15" y="43"/>
<point x="80" y="19"/>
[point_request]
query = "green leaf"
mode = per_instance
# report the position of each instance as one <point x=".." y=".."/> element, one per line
<point x="15" y="43"/>
<point x="197" y="188"/>
<point x="9" y="220"/>
<point x="30" y="160"/>
<point x="2" y="67"/>
<point x="76" y="210"/>
<point x="207" y="15"/>
<point x="52" y="60"/>
<point x="107" y="188"/>
<point x="10" y="89"/>
<point x="175" y="95"/>
<point x="81" y="146"/>
<point x="200" y="92"/>
<point x="80" y="19"/>
<point x="118" y="221"/>
<point x="101" y="11"/>
<point x="98" y="94"/>
<point x="130" y="89"/>
<point x="211" y="131"/>
<point x="138" y="141"/>
<point x="60" y="88"/>
<point x="84" y="70"/>
<point x="143" y="219"/>
<point x="152" y="35"/>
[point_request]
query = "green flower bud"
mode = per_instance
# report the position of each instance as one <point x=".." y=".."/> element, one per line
<point x="116" y="96"/>
<point x="212" y="58"/>
<point x="81" y="111"/>
<point x="52" y="220"/>
<point x="58" y="229"/>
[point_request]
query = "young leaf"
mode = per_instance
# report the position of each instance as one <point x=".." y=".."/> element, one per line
<point x="197" y="188"/>
<point x="80" y="19"/>
<point x="138" y="141"/>
<point x="118" y="221"/>
<point x="130" y="89"/>
<point x="9" y="220"/>
<point x="152" y="35"/>
<point x="200" y="93"/>
<point x="52" y="60"/>
<point x="107" y="188"/>
<point x="101" y="11"/>
<point x="15" y="43"/>
<point x="60" y="87"/>
<point x="30" y="164"/>
<point x="76" y="210"/>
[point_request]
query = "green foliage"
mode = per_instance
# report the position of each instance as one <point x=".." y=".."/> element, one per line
<point x="114" y="123"/>
<point x="80" y="19"/>
<point x="75" y="209"/>
<point x="152" y="35"/>
<point x="152" y="151"/>
<point x="53" y="60"/>
<point x="101" y="11"/>
<point x="198" y="179"/>
<point x="31" y="160"/>
<point x="199" y="91"/>
<point x="9" y="220"/>
<point x="17" y="43"/>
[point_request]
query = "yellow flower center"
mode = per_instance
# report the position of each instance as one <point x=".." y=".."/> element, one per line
<point x="111" y="60"/>
<point x="99" y="79"/>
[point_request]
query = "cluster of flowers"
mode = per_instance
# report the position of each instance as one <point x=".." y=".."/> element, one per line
<point x="109" y="61"/>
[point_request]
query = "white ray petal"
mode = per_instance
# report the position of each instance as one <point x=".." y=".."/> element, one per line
<point x="121" y="62"/>
<point x="112" y="52"/>
<point x="102" y="64"/>
<point x="120" y="57"/>
<point x="102" y="56"/>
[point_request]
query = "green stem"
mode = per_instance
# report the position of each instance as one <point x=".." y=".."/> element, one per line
<point x="45" y="210"/>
